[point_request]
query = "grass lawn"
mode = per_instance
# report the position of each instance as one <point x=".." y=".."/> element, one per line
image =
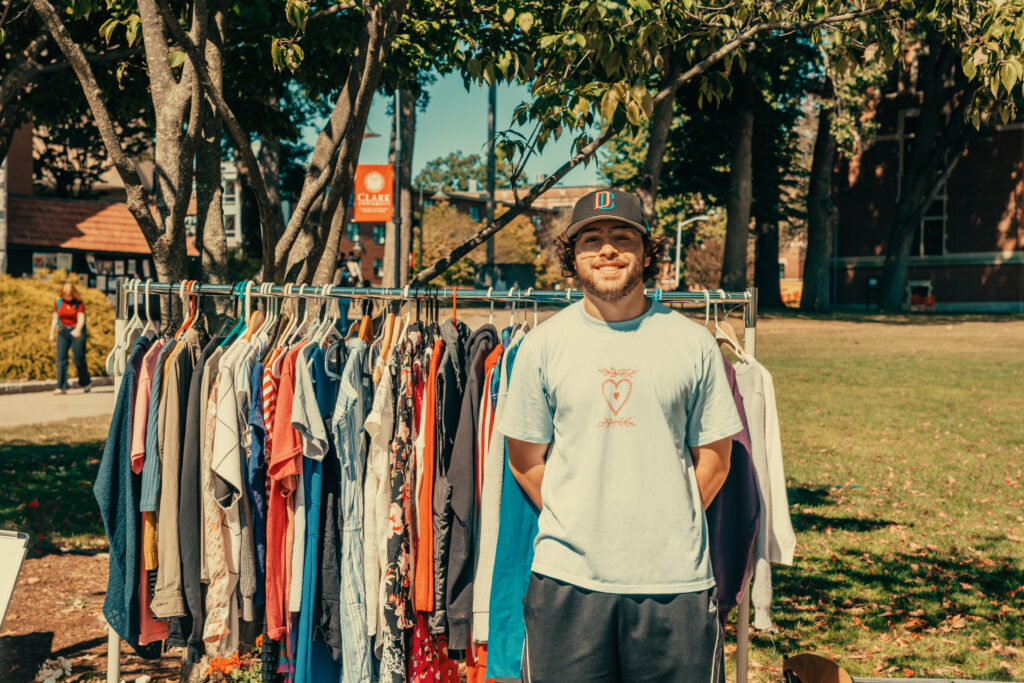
<point x="48" y="471"/>
<point x="904" y="449"/>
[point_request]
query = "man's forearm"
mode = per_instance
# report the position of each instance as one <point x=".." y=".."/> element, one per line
<point x="711" y="467"/>
<point x="530" y="481"/>
<point x="709" y="483"/>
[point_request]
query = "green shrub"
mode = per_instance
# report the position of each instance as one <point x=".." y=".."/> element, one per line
<point x="26" y="307"/>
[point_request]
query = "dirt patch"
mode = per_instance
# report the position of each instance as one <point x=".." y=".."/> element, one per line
<point x="57" y="611"/>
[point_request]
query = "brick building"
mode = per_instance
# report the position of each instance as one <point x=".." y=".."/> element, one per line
<point x="968" y="251"/>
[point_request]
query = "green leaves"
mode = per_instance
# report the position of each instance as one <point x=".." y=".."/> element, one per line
<point x="132" y="29"/>
<point x="525" y="22"/>
<point x="297" y="12"/>
<point x="176" y="59"/>
<point x="286" y="54"/>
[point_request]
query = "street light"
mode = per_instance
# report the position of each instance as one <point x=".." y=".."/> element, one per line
<point x="679" y="237"/>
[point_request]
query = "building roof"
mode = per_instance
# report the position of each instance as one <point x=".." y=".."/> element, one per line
<point x="481" y="198"/>
<point x="76" y="225"/>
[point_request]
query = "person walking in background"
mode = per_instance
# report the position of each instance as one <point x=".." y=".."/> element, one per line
<point x="67" y="328"/>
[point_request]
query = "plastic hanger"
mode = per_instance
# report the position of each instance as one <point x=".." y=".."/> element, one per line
<point x="108" y="363"/>
<point x="237" y="329"/>
<point x="512" y="313"/>
<point x="529" y="291"/>
<point x="300" y="328"/>
<point x="726" y="335"/>
<point x="186" y="289"/>
<point x="490" y="320"/>
<point x="150" y="327"/>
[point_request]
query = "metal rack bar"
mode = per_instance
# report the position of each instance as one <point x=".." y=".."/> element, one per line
<point x="514" y="294"/>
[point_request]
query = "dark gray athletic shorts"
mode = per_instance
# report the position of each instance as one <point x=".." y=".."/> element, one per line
<point x="573" y="634"/>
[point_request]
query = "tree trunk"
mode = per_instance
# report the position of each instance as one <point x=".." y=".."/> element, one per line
<point x="381" y="30"/>
<point x="821" y="213"/>
<point x="270" y="163"/>
<point x="408" y="126"/>
<point x="766" y="264"/>
<point x="210" y="239"/>
<point x="737" y="226"/>
<point x="251" y="232"/>
<point x="661" y="125"/>
<point x="927" y="167"/>
<point x="392" y="241"/>
<point x="178" y="124"/>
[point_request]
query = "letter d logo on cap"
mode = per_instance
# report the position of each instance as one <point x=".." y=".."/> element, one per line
<point x="604" y="200"/>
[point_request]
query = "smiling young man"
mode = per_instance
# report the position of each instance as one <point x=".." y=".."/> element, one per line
<point x="619" y="420"/>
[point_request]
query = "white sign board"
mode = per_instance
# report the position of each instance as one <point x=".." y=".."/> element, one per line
<point x="13" y="546"/>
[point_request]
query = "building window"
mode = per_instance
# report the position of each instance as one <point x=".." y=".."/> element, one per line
<point x="230" y="228"/>
<point x="378" y="267"/>
<point x="230" y="192"/>
<point x="930" y="237"/>
<point x="353" y="232"/>
<point x="474" y="212"/>
<point x="190" y="225"/>
<point x="378" y="234"/>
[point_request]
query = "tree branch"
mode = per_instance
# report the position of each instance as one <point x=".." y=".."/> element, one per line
<point x="24" y="70"/>
<point x="747" y="34"/>
<point x="138" y="199"/>
<point x="537" y="190"/>
<point x="223" y="111"/>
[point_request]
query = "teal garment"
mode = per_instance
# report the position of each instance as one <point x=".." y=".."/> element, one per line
<point x="621" y="403"/>
<point x="312" y="660"/>
<point x="513" y="558"/>
<point x="117" y="493"/>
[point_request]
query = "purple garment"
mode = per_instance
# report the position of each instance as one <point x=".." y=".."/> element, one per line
<point x="733" y="517"/>
<point x="257" y="467"/>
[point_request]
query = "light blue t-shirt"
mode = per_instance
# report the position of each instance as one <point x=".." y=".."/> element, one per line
<point x="621" y="404"/>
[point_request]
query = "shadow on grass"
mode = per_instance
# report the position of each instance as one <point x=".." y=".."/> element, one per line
<point x="817" y="497"/>
<point x="923" y="597"/>
<point x="48" y="491"/>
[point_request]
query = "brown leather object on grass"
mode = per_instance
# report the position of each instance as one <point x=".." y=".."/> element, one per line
<point x="815" y="669"/>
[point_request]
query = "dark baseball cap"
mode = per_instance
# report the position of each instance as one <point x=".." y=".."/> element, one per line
<point x="603" y="205"/>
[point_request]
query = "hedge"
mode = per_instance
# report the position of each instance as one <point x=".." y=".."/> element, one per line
<point x="26" y="307"/>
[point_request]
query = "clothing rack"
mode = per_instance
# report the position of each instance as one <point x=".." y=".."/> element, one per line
<point x="746" y="299"/>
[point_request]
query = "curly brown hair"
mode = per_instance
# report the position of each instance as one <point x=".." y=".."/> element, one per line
<point x="654" y="248"/>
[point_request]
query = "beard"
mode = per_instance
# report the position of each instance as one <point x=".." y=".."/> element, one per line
<point x="610" y="292"/>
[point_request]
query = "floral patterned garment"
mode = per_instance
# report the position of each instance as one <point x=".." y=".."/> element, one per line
<point x="398" y="614"/>
<point x="428" y="661"/>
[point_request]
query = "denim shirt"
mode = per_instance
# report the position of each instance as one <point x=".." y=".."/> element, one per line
<point x="151" y="465"/>
<point x="354" y="398"/>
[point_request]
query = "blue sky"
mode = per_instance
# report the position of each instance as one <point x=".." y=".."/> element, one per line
<point x="457" y="120"/>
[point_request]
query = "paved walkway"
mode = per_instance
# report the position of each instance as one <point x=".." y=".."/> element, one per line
<point x="26" y="409"/>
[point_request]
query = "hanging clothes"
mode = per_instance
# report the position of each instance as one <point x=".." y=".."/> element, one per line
<point x="512" y="562"/>
<point x="732" y="517"/>
<point x="462" y="476"/>
<point x="116" y="493"/>
<point x="776" y="540"/>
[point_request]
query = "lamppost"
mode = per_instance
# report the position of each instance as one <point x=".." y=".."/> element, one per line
<point x="679" y="237"/>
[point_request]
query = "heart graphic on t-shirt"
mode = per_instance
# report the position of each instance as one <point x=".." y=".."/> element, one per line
<point x="616" y="393"/>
